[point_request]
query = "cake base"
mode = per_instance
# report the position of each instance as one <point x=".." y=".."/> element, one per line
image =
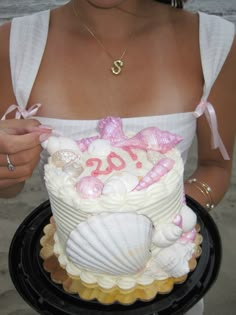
<point x="35" y="286"/>
<point x="90" y="292"/>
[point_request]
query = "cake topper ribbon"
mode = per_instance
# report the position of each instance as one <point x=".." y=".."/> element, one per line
<point x="206" y="108"/>
<point x="22" y="112"/>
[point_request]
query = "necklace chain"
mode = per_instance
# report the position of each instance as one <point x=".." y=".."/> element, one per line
<point x="117" y="63"/>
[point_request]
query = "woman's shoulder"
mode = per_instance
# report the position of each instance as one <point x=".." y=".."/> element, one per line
<point x="4" y="40"/>
<point x="5" y="30"/>
<point x="6" y="92"/>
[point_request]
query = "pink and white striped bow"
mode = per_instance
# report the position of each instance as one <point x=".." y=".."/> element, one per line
<point x="206" y="108"/>
<point x="22" y="112"/>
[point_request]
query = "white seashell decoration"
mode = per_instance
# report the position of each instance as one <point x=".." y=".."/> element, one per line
<point x="99" y="147"/>
<point x="174" y="260"/>
<point x="189" y="219"/>
<point x="74" y="169"/>
<point x="54" y="144"/>
<point x="89" y="187"/>
<point x="154" y="272"/>
<point x="113" y="244"/>
<point x="63" y="157"/>
<point x="114" y="186"/>
<point x="166" y="235"/>
<point x="161" y="168"/>
<point x="120" y="184"/>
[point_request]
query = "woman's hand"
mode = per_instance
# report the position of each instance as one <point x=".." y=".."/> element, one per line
<point x="19" y="152"/>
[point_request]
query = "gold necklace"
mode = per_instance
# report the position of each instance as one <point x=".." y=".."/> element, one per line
<point x="117" y="64"/>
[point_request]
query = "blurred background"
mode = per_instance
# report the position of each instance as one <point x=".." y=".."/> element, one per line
<point x="221" y="299"/>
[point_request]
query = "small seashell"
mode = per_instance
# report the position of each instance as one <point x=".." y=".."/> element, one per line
<point x="120" y="184"/>
<point x="89" y="187"/>
<point x="160" y="169"/>
<point x="99" y="147"/>
<point x="114" y="186"/>
<point x="63" y="157"/>
<point x="188" y="237"/>
<point x="114" y="244"/>
<point x="174" y="259"/>
<point x="154" y="139"/>
<point x="166" y="235"/>
<point x="178" y="220"/>
<point x="110" y="128"/>
<point x="54" y="144"/>
<point x="74" y="169"/>
<point x="153" y="271"/>
<point x="189" y="218"/>
<point x="85" y="142"/>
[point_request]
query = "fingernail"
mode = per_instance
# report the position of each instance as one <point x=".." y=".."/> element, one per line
<point x="41" y="128"/>
<point x="45" y="127"/>
<point x="44" y="137"/>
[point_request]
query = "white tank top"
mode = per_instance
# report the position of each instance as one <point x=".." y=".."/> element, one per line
<point x="27" y="44"/>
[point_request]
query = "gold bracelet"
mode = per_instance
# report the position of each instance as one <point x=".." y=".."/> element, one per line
<point x="206" y="190"/>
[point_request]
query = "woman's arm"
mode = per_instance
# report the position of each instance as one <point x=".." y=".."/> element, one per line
<point x="20" y="139"/>
<point x="212" y="168"/>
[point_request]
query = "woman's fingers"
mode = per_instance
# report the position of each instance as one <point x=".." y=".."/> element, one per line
<point x="7" y="183"/>
<point x="18" y="126"/>
<point x="11" y="144"/>
<point x="14" y="143"/>
<point x="22" y="157"/>
<point x="20" y="147"/>
<point x="20" y="171"/>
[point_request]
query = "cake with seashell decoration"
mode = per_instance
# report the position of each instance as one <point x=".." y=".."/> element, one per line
<point x="117" y="200"/>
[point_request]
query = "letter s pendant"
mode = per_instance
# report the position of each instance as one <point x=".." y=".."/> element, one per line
<point x="117" y="66"/>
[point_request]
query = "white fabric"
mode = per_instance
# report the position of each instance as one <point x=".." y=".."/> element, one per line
<point x="27" y="43"/>
<point x="216" y="38"/>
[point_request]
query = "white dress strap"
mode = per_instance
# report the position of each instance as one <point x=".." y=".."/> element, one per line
<point x="216" y="39"/>
<point x="216" y="36"/>
<point x="28" y="39"/>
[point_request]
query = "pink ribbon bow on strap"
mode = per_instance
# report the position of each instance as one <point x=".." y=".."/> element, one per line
<point x="206" y="108"/>
<point x="22" y="112"/>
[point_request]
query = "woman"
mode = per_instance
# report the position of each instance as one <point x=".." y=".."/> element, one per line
<point x="145" y="61"/>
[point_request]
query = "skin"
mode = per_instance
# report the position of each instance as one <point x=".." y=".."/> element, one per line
<point x="162" y="52"/>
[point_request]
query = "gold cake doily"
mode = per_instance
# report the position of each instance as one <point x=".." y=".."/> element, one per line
<point x="90" y="292"/>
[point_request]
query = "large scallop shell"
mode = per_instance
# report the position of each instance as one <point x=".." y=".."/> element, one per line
<point x="114" y="244"/>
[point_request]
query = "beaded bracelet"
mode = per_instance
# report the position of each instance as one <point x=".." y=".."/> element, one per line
<point x="205" y="190"/>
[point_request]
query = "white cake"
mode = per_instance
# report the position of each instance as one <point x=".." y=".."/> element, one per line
<point x="118" y="205"/>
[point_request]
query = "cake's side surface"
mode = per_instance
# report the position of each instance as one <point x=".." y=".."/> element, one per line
<point x="117" y="201"/>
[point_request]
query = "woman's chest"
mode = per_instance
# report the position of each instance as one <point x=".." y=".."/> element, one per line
<point x="78" y="83"/>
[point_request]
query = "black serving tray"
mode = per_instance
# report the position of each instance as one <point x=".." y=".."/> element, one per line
<point x="36" y="287"/>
